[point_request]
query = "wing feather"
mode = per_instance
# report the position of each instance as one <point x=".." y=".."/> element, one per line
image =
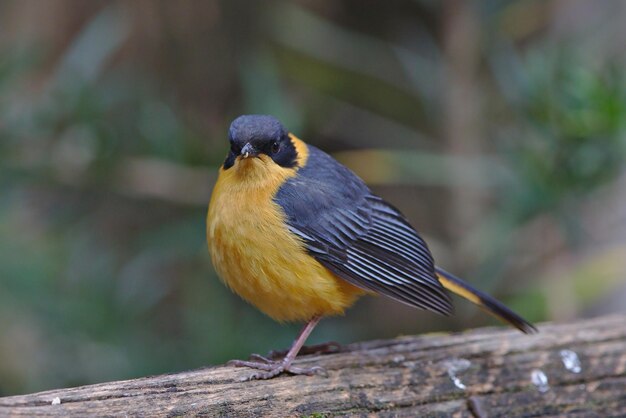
<point x="358" y="236"/>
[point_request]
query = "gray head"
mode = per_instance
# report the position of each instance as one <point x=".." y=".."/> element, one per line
<point x="255" y="135"/>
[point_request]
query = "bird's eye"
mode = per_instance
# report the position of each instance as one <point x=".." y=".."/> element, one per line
<point x="234" y="148"/>
<point x="275" y="147"/>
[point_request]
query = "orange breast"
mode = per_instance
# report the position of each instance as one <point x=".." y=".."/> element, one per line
<point x="255" y="254"/>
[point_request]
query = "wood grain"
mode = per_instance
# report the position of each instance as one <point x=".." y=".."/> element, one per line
<point x="406" y="376"/>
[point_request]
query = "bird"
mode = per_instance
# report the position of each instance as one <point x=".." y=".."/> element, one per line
<point x="301" y="237"/>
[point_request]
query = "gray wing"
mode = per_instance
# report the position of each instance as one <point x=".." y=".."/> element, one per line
<point x="358" y="236"/>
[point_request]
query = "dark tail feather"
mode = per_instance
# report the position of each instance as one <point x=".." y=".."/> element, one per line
<point x="491" y="305"/>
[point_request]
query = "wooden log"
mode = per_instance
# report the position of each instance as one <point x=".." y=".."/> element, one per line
<point x="576" y="369"/>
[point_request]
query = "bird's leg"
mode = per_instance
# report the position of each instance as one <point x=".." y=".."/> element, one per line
<point x="272" y="368"/>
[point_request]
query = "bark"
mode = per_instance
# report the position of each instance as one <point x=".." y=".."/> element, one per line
<point x="486" y="372"/>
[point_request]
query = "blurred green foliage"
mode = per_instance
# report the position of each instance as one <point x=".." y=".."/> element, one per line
<point x="112" y="126"/>
<point x="573" y="124"/>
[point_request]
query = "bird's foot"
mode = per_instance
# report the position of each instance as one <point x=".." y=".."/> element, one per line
<point x="272" y="368"/>
<point x="326" y="348"/>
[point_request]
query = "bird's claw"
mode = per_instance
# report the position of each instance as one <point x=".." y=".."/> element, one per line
<point x="325" y="348"/>
<point x="270" y="368"/>
<point x="260" y="358"/>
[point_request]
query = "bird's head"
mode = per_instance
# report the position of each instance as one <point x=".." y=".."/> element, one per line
<point x="259" y="140"/>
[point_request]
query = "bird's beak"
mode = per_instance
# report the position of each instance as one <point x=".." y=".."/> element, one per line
<point x="248" y="150"/>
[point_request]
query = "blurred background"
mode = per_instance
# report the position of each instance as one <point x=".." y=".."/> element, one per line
<point x="498" y="127"/>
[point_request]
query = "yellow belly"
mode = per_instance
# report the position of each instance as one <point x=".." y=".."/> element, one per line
<point x="258" y="258"/>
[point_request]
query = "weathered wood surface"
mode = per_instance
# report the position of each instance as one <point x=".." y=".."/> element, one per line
<point x="407" y="376"/>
